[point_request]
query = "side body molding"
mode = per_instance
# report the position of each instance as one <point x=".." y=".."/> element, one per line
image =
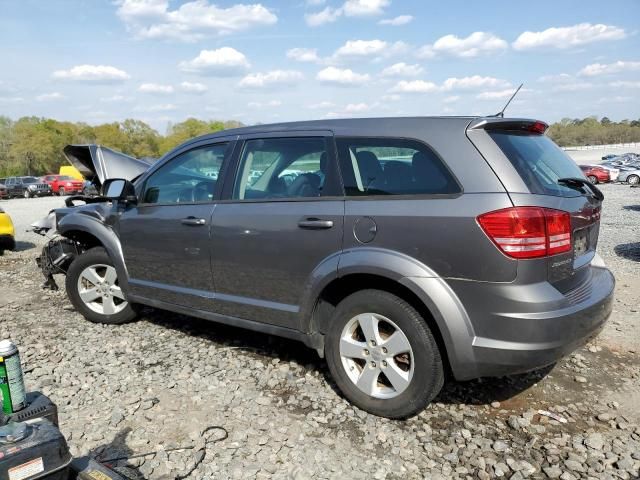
<point x="96" y="227"/>
<point x="447" y="310"/>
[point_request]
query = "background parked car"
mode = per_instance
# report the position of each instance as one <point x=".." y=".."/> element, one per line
<point x="3" y="189"/>
<point x="596" y="174"/>
<point x="63" y="184"/>
<point x="631" y="176"/>
<point x="7" y="232"/>
<point x="27" y="187"/>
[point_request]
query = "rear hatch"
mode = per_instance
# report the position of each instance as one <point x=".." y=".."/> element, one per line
<point x="537" y="173"/>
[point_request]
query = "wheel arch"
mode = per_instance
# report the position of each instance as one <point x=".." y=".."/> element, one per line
<point x="405" y="277"/>
<point x="93" y="233"/>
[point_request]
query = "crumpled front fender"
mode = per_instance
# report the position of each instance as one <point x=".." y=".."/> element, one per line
<point x="76" y="225"/>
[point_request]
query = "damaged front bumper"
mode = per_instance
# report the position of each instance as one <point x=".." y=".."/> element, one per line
<point x="56" y="257"/>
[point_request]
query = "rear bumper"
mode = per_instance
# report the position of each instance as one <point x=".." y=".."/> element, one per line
<point x="7" y="242"/>
<point x="518" y="328"/>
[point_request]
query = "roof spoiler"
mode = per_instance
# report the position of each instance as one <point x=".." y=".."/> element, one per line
<point x="509" y="124"/>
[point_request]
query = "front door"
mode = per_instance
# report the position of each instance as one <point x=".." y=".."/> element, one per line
<point x="282" y="220"/>
<point x="165" y="237"/>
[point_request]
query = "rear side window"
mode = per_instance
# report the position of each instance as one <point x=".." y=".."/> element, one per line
<point x="392" y="166"/>
<point x="539" y="162"/>
<point x="282" y="168"/>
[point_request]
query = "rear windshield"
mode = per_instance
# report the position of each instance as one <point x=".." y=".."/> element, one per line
<point x="539" y="161"/>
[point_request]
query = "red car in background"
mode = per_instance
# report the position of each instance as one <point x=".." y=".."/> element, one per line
<point x="595" y="174"/>
<point x="63" y="184"/>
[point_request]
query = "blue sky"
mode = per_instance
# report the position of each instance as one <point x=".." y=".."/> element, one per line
<point x="166" y="60"/>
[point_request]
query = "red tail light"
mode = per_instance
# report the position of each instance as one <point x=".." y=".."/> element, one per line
<point x="528" y="232"/>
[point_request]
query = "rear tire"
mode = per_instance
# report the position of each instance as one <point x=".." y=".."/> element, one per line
<point x="593" y="179"/>
<point x="396" y="375"/>
<point x="633" y="179"/>
<point x="93" y="288"/>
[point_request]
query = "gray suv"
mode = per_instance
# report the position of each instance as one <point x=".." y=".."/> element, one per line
<point x="401" y="249"/>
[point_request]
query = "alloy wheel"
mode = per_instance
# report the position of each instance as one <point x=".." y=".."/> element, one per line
<point x="99" y="290"/>
<point x="376" y="355"/>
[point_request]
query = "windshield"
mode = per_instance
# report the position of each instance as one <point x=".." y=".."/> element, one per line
<point x="539" y="161"/>
<point x="29" y="180"/>
<point x="65" y="177"/>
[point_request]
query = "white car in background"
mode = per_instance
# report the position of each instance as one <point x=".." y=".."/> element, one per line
<point x="630" y="175"/>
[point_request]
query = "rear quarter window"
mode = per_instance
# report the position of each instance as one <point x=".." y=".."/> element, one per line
<point x="539" y="162"/>
<point x="392" y="166"/>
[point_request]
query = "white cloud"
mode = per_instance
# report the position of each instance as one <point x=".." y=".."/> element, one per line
<point x="476" y="44"/>
<point x="394" y="97"/>
<point x="451" y="99"/>
<point x="192" y="20"/>
<point x="499" y="94"/>
<point x="193" y="88"/>
<point x="615" y="99"/>
<point x="559" y="78"/>
<point x="116" y="99"/>
<point x="572" y="87"/>
<point x="350" y="8"/>
<point x="473" y="82"/>
<point x="414" y="86"/>
<point x="6" y="100"/>
<point x="49" y="97"/>
<point x="625" y="84"/>
<point x="339" y="76"/>
<point x="92" y="74"/>
<point x="357" y="108"/>
<point x="273" y="78"/>
<point x="321" y="105"/>
<point x="303" y="54"/>
<point x="366" y="49"/>
<point x="327" y="15"/>
<point x="605" y="69"/>
<point x="364" y="8"/>
<point x="222" y="62"/>
<point x="397" y="21"/>
<point x="402" y="70"/>
<point x="156" y="89"/>
<point x="360" y="48"/>
<point x="271" y="103"/>
<point x="568" y="37"/>
<point x="166" y="107"/>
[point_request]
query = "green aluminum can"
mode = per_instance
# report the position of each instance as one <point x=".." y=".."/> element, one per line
<point x="11" y="379"/>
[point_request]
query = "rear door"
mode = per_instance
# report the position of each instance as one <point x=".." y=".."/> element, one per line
<point x="281" y="218"/>
<point x="531" y="167"/>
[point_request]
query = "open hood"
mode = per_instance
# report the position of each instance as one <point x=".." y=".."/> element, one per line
<point x="97" y="163"/>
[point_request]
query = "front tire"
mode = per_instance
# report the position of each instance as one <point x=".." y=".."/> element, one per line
<point x="382" y="355"/>
<point x="633" y="179"/>
<point x="593" y="179"/>
<point x="61" y="192"/>
<point x="93" y="288"/>
<point x="27" y="194"/>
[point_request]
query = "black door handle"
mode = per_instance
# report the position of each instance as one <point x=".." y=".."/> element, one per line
<point x="315" y="224"/>
<point x="193" y="221"/>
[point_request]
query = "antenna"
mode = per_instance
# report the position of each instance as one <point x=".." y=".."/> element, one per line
<point x="501" y="112"/>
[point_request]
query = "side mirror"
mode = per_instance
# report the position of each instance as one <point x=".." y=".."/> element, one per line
<point x="120" y="190"/>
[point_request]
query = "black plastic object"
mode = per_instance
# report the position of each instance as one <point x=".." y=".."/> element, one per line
<point x="85" y="468"/>
<point x="33" y="450"/>
<point x="38" y="406"/>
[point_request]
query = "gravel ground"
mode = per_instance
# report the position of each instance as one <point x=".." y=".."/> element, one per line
<point x="143" y="390"/>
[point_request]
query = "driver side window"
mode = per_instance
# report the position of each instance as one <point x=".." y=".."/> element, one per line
<point x="191" y="177"/>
